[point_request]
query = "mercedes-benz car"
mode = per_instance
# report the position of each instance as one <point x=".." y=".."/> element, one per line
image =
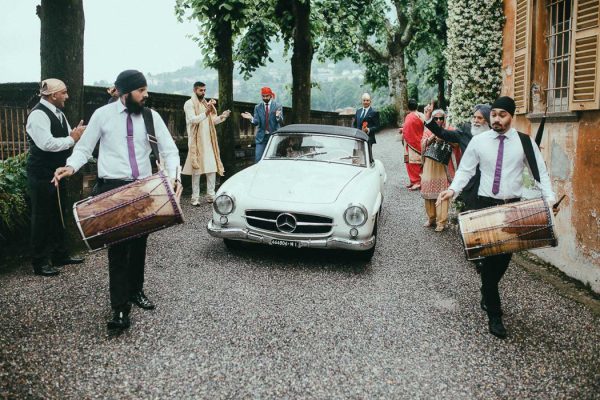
<point x="316" y="186"/>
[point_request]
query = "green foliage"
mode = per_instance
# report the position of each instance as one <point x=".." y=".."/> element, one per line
<point x="217" y="19"/>
<point x="474" y="54"/>
<point x="13" y="195"/>
<point x="254" y="47"/>
<point x="388" y="116"/>
<point x="413" y="91"/>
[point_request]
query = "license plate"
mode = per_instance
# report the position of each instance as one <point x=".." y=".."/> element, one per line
<point x="284" y="243"/>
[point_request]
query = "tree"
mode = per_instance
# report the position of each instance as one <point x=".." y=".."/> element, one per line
<point x="474" y="54"/>
<point x="61" y="49"/>
<point x="379" y="39"/>
<point x="433" y="41"/>
<point x="294" y="20"/>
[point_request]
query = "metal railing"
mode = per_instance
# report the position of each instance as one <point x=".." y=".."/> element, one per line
<point x="13" y="138"/>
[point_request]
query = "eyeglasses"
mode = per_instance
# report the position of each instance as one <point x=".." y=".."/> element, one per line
<point x="439" y="118"/>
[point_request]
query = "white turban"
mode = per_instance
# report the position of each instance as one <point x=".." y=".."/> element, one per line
<point x="50" y="86"/>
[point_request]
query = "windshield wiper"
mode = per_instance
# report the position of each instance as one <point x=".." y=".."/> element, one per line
<point x="314" y="153"/>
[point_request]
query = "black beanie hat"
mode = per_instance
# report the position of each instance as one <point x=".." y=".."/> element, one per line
<point x="130" y="80"/>
<point x="505" y="103"/>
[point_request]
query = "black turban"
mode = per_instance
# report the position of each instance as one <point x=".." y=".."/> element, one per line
<point x="505" y="103"/>
<point x="130" y="80"/>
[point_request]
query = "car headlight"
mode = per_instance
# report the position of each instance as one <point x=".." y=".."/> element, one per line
<point x="224" y="204"/>
<point x="355" y="215"/>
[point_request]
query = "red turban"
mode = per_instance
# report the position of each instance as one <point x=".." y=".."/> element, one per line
<point x="267" y="91"/>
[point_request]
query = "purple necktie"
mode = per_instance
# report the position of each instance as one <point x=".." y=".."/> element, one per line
<point x="131" y="148"/>
<point x="498" y="172"/>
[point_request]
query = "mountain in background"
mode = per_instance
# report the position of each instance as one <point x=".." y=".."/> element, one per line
<point x="335" y="85"/>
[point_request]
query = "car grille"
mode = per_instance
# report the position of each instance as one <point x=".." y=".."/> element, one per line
<point x="305" y="224"/>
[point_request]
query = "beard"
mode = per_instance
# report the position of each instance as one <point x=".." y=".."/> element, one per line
<point x="476" y="130"/>
<point x="200" y="96"/>
<point x="134" y="106"/>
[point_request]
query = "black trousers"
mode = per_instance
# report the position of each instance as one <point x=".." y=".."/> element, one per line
<point x="492" y="268"/>
<point x="48" y="237"/>
<point x="126" y="260"/>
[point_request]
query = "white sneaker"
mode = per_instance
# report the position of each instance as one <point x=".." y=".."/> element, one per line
<point x="195" y="202"/>
<point x="210" y="198"/>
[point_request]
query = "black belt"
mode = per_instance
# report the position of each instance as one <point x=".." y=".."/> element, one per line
<point x="114" y="181"/>
<point x="492" y="200"/>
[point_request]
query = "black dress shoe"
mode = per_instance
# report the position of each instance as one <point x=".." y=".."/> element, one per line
<point x="45" y="270"/>
<point x="140" y="300"/>
<point x="120" y="320"/>
<point x="67" y="261"/>
<point x="497" y="327"/>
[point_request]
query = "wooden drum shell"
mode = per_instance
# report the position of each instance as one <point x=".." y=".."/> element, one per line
<point x="127" y="212"/>
<point x="507" y="228"/>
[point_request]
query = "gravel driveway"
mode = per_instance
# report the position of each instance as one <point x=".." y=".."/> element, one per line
<point x="272" y="324"/>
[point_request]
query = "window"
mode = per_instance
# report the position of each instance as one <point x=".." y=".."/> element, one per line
<point x="559" y="53"/>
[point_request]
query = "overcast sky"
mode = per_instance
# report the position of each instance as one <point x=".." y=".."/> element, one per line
<point x="159" y="45"/>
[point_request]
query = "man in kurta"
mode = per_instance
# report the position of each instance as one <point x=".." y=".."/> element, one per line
<point x="203" y="148"/>
<point x="412" y="132"/>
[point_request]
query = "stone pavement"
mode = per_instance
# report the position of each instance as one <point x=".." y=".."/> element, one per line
<point x="265" y="323"/>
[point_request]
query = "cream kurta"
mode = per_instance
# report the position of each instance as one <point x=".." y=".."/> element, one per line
<point x="208" y="161"/>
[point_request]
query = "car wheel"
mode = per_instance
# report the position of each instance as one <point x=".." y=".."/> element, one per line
<point x="232" y="244"/>
<point x="368" y="254"/>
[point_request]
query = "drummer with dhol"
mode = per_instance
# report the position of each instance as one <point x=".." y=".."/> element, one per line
<point x="501" y="157"/>
<point x="124" y="156"/>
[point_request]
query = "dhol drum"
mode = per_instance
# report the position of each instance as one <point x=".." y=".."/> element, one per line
<point x="127" y="212"/>
<point x="507" y="228"/>
<point x="439" y="151"/>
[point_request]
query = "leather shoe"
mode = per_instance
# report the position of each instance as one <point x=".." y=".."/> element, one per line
<point x="120" y="320"/>
<point x="497" y="327"/>
<point x="45" y="270"/>
<point x="67" y="261"/>
<point x="140" y="300"/>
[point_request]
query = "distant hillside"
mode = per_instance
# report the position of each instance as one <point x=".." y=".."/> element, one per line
<point x="336" y="85"/>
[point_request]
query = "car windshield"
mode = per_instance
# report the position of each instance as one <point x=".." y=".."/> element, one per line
<point x="315" y="147"/>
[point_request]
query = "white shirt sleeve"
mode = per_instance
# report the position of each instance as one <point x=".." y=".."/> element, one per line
<point x="217" y="119"/>
<point x="167" y="148"/>
<point x="545" y="185"/>
<point x="190" y="114"/>
<point x="85" y="146"/>
<point x="38" y="128"/>
<point x="466" y="169"/>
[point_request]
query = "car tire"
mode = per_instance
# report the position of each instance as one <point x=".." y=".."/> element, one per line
<point x="367" y="255"/>
<point x="232" y="244"/>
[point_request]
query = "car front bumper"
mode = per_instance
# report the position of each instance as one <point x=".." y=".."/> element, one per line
<point x="264" y="238"/>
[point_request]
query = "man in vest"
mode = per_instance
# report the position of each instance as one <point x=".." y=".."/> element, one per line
<point x="50" y="141"/>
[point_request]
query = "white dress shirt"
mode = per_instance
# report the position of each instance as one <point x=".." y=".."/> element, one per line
<point x="38" y="128"/>
<point x="483" y="151"/>
<point x="109" y="125"/>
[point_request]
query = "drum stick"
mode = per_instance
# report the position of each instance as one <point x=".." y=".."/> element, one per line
<point x="559" y="201"/>
<point x="62" y="220"/>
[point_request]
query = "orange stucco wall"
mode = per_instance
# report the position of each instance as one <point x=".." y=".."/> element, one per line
<point x="572" y="153"/>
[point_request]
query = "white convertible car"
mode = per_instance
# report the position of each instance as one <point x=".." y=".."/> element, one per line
<point x="315" y="186"/>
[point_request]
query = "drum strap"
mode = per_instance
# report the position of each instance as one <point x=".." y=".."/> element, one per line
<point x="530" y="155"/>
<point x="149" y="122"/>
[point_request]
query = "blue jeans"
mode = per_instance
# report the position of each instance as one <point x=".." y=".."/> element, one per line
<point x="258" y="152"/>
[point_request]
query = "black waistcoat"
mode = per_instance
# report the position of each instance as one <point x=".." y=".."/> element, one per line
<point x="42" y="164"/>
